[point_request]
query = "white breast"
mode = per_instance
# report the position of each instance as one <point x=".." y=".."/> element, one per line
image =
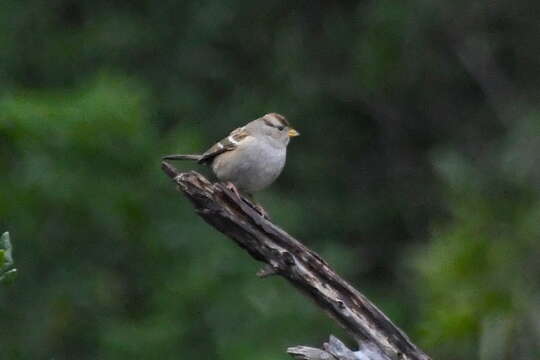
<point x="252" y="166"/>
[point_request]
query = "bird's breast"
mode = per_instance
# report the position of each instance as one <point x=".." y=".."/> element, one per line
<point x="252" y="166"/>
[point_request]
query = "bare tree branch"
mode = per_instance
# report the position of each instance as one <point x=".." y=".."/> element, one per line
<point x="334" y="349"/>
<point x="302" y="267"/>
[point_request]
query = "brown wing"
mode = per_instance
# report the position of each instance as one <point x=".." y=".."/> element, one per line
<point x="227" y="144"/>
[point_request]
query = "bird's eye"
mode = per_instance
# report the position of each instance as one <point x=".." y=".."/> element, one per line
<point x="279" y="127"/>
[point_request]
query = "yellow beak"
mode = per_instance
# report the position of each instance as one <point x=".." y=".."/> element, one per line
<point x="293" y="133"/>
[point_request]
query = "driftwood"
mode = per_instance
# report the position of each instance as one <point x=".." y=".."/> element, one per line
<point x="377" y="337"/>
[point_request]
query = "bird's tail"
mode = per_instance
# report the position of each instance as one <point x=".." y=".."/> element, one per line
<point x="182" y="157"/>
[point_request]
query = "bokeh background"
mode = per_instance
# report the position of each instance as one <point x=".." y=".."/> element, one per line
<point x="416" y="175"/>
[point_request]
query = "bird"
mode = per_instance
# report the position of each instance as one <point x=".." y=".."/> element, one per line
<point x="251" y="157"/>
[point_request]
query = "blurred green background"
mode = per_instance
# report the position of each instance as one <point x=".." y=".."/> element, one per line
<point x="417" y="174"/>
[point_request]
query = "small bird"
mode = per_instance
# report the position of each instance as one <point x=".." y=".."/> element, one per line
<point x="252" y="156"/>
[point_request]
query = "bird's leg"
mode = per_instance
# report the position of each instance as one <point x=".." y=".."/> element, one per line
<point x="233" y="188"/>
<point x="248" y="199"/>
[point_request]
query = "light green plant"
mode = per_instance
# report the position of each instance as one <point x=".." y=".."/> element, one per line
<point x="7" y="271"/>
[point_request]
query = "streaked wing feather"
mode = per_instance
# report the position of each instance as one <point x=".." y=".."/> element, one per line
<point x="227" y="144"/>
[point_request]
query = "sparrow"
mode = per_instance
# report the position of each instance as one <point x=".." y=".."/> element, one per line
<point x="252" y="156"/>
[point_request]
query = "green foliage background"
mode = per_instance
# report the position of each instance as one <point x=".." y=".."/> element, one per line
<point x="416" y="174"/>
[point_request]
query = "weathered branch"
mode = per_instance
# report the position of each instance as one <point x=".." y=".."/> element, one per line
<point x="334" y="349"/>
<point x="302" y="267"/>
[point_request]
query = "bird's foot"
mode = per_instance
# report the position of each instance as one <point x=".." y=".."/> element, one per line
<point x="230" y="186"/>
<point x="248" y="200"/>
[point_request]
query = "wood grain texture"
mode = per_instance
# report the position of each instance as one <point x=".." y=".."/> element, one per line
<point x="285" y="256"/>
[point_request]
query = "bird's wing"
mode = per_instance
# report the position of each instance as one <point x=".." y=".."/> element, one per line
<point x="229" y="143"/>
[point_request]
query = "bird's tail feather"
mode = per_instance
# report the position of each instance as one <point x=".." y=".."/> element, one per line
<point x="182" y="157"/>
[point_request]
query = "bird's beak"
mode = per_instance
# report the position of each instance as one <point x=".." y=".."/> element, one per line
<point x="293" y="133"/>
